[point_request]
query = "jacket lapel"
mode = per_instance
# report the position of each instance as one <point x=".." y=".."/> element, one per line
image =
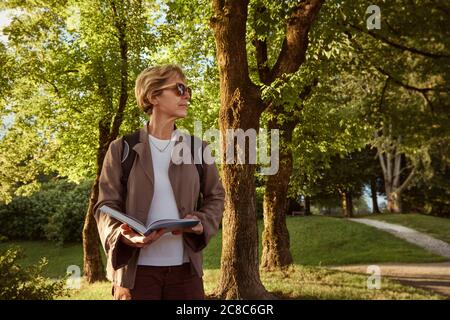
<point x="145" y="159"/>
<point x="145" y="156"/>
<point x="174" y="172"/>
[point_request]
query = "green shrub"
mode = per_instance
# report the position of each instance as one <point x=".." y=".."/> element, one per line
<point x="18" y="283"/>
<point x="23" y="218"/>
<point x="55" y="212"/>
<point x="65" y="224"/>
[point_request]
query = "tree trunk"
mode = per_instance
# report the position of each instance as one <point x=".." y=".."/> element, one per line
<point x="239" y="277"/>
<point x="390" y="161"/>
<point x="346" y="203"/>
<point x="307" y="206"/>
<point x="394" y="203"/>
<point x="373" y="191"/>
<point x="349" y="200"/>
<point x="241" y="107"/>
<point x="276" y="245"/>
<point x="92" y="262"/>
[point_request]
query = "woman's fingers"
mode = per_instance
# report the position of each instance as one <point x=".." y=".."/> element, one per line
<point x="149" y="237"/>
<point x="160" y="232"/>
<point x="152" y="237"/>
<point x="155" y="235"/>
<point x="131" y="235"/>
<point x="138" y="240"/>
<point x="125" y="227"/>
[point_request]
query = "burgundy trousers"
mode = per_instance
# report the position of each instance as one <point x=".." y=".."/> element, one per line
<point x="167" y="283"/>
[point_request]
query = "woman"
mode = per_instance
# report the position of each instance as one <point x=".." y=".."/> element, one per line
<point x="162" y="265"/>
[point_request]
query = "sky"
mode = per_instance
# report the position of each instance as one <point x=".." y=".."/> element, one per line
<point x="4" y="21"/>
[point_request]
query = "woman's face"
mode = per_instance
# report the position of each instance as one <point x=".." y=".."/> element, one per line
<point x="168" y="101"/>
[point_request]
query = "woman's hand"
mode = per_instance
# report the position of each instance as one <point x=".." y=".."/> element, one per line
<point x="197" y="229"/>
<point x="137" y="240"/>
<point x="121" y="293"/>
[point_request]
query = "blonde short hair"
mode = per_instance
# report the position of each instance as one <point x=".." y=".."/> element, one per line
<point x="152" y="79"/>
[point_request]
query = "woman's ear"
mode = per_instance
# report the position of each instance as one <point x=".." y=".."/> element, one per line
<point x="153" y="100"/>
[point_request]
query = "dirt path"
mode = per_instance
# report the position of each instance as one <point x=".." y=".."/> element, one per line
<point x="420" y="239"/>
<point x="429" y="276"/>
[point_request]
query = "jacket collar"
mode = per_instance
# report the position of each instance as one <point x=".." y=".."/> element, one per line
<point x="143" y="150"/>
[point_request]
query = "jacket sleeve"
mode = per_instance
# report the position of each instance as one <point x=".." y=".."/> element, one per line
<point x="211" y="211"/>
<point x="111" y="194"/>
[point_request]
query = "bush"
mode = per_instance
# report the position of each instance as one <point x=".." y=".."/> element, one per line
<point x="56" y="212"/>
<point x="18" y="283"/>
<point x="65" y="224"/>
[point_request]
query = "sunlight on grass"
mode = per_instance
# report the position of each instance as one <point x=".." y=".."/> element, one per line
<point x="296" y="282"/>
<point x="315" y="242"/>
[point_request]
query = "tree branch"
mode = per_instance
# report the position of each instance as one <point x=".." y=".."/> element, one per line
<point x="121" y="27"/>
<point x="295" y="43"/>
<point x="382" y="163"/>
<point x="407" y="181"/>
<point x="383" y="93"/>
<point x="427" y="100"/>
<point x="228" y="22"/>
<point x="421" y="91"/>
<point x="261" y="51"/>
<point x="411" y="87"/>
<point x="262" y="61"/>
<point x="379" y="37"/>
<point x="398" y="160"/>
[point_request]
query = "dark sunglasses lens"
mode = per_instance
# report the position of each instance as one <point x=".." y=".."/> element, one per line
<point x="182" y="89"/>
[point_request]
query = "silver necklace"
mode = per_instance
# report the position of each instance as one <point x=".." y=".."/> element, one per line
<point x="160" y="150"/>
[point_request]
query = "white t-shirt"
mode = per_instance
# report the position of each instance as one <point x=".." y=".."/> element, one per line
<point x="167" y="250"/>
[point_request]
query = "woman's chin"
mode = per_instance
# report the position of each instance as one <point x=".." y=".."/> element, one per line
<point x="182" y="114"/>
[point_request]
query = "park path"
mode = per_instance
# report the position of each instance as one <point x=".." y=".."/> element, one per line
<point x="419" y="239"/>
<point x="430" y="276"/>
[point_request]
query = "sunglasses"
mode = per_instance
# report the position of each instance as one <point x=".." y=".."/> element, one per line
<point x="179" y="89"/>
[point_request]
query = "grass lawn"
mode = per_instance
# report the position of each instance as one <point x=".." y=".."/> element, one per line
<point x="318" y="240"/>
<point x="315" y="241"/>
<point x="59" y="257"/>
<point x="298" y="282"/>
<point x="433" y="226"/>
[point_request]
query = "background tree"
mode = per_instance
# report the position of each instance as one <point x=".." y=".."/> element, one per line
<point x="80" y="57"/>
<point x="241" y="107"/>
<point x="408" y="59"/>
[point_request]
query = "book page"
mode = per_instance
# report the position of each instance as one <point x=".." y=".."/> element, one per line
<point x="132" y="222"/>
<point x="172" y="224"/>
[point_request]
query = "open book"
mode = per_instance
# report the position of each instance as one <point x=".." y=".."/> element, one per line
<point x="139" y="227"/>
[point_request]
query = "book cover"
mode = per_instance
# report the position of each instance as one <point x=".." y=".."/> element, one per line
<point x="139" y="227"/>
